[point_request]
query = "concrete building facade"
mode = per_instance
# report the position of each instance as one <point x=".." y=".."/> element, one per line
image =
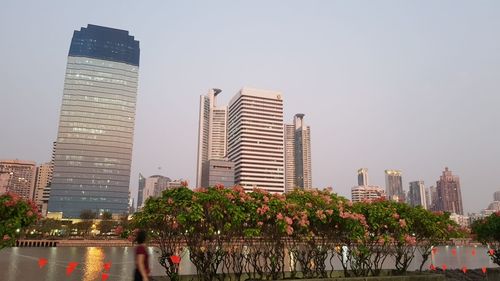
<point x="449" y="193"/>
<point x="394" y="185"/>
<point x="367" y="192"/>
<point x="218" y="172"/>
<point x="416" y="194"/>
<point x="18" y="176"/>
<point x="255" y="139"/>
<point x="96" y="126"/>
<point x="212" y="133"/>
<point x="363" y="177"/>
<point x="298" y="171"/>
<point x="42" y="186"/>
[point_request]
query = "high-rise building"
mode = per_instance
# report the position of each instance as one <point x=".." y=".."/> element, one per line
<point x="42" y="186"/>
<point x="18" y="177"/>
<point x="434" y="198"/>
<point x="363" y="177"/>
<point x="416" y="194"/>
<point x="218" y="172"/>
<point x="140" y="190"/>
<point x="96" y="126"/>
<point x="255" y="139"/>
<point x="154" y="186"/>
<point x="428" y="198"/>
<point x="366" y="192"/>
<point x="298" y="172"/>
<point x="212" y="138"/>
<point x="449" y="194"/>
<point x="496" y="196"/>
<point x="394" y="185"/>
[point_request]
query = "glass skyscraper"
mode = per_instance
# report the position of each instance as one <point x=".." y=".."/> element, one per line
<point x="93" y="155"/>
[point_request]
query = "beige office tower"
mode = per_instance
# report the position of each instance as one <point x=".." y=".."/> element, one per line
<point x="297" y="155"/>
<point x="212" y="138"/>
<point x="42" y="186"/>
<point x="255" y="139"/>
<point x="18" y="177"/>
<point x="394" y="185"/>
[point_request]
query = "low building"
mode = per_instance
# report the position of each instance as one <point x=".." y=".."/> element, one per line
<point x="21" y="177"/>
<point x="367" y="192"/>
<point x="462" y="220"/>
<point x="217" y="172"/>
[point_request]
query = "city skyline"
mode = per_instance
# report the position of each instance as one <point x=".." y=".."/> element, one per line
<point x="367" y="77"/>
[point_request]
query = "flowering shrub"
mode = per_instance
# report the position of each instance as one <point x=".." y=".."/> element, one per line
<point x="15" y="214"/>
<point x="487" y="231"/>
<point x="228" y="230"/>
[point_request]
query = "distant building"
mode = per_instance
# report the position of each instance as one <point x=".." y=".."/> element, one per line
<point x="449" y="194"/>
<point x="394" y="185"/>
<point x="21" y="177"/>
<point x="428" y="199"/>
<point x="461" y="220"/>
<point x="363" y="177"/>
<point x="416" y="194"/>
<point x="367" y="192"/>
<point x="433" y="198"/>
<point x="154" y="185"/>
<point x="175" y="183"/>
<point x="42" y="186"/>
<point x="218" y="172"/>
<point x="496" y="196"/>
<point x="298" y="172"/>
<point x="255" y="139"/>
<point x="212" y="134"/>
<point x="140" y="190"/>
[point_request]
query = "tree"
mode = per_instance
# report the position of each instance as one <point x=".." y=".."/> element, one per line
<point x="15" y="215"/>
<point x="487" y="231"/>
<point x="87" y="215"/>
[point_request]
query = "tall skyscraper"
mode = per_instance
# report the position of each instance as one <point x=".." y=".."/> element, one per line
<point x="255" y="139"/>
<point x="212" y="138"/>
<point x="96" y="127"/>
<point x="298" y="172"/>
<point x="449" y="194"/>
<point x="363" y="177"/>
<point x="18" y="177"/>
<point x="42" y="186"/>
<point x="394" y="185"/>
<point x="140" y="190"/>
<point x="434" y="198"/>
<point x="416" y="194"/>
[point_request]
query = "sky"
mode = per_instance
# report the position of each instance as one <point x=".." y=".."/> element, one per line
<point x="409" y="85"/>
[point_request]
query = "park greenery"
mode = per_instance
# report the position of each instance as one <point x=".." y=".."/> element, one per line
<point x="259" y="235"/>
<point x="487" y="231"/>
<point x="15" y="215"/>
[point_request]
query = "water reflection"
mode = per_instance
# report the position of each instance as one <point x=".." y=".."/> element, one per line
<point x="93" y="264"/>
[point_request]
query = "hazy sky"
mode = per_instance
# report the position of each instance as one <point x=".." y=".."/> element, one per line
<point x="410" y="85"/>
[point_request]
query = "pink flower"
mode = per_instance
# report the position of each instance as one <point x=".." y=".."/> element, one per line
<point x="279" y="216"/>
<point x="309" y="205"/>
<point x="6" y="237"/>
<point x="266" y="199"/>
<point x="219" y="186"/>
<point x="329" y="212"/>
<point x="29" y="213"/>
<point x="260" y="223"/>
<point x="170" y="201"/>
<point x="289" y="230"/>
<point x="402" y="223"/>
<point x="288" y="220"/>
<point x="410" y="240"/>
<point x="395" y="215"/>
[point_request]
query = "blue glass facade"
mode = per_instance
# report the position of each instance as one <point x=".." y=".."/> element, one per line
<point x="105" y="43"/>
<point x="93" y="156"/>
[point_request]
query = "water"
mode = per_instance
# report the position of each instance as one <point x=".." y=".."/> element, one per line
<point x="19" y="264"/>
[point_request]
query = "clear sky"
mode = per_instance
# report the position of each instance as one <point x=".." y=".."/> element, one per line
<point x="410" y="85"/>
